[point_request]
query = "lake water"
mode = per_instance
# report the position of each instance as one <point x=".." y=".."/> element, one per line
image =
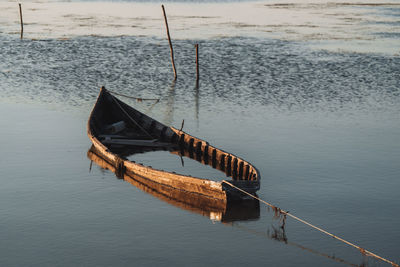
<point x="322" y="126"/>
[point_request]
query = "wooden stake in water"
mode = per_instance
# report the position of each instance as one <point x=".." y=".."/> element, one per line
<point x="22" y="23"/>
<point x="197" y="63"/>
<point x="170" y="43"/>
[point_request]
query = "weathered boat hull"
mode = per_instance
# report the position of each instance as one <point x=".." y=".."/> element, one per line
<point x="108" y="110"/>
<point x="215" y="209"/>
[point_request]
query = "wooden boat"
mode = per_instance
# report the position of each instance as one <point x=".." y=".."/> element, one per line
<point x="114" y="126"/>
<point x="214" y="209"/>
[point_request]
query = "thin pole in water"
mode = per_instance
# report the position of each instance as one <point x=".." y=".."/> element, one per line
<point x="170" y="43"/>
<point x="22" y="23"/>
<point x="197" y="63"/>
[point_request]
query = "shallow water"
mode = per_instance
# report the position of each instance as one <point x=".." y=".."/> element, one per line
<point x="279" y="75"/>
<point x="165" y="160"/>
<point x="323" y="128"/>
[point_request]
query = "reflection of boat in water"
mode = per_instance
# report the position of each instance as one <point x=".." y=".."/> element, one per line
<point x="215" y="209"/>
<point x="114" y="125"/>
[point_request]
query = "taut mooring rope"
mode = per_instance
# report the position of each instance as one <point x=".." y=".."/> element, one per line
<point x="363" y="251"/>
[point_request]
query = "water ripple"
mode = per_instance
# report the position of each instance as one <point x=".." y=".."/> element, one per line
<point x="239" y="71"/>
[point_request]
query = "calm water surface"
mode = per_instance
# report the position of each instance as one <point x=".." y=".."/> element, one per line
<point x="323" y="129"/>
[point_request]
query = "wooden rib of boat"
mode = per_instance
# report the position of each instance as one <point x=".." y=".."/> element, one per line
<point x="113" y="125"/>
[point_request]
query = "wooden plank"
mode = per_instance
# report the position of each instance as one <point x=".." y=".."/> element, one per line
<point x="112" y="136"/>
<point x="132" y="142"/>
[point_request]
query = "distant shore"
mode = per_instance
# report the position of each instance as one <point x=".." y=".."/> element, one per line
<point x="335" y="26"/>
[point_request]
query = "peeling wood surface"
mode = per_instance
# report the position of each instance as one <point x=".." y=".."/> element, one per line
<point x="215" y="209"/>
<point x="180" y="198"/>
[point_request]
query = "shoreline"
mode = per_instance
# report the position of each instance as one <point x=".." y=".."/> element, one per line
<point x="333" y="26"/>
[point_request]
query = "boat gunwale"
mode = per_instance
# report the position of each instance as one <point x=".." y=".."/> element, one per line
<point x="132" y="178"/>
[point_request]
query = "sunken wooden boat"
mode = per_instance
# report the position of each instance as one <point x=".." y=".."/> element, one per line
<point x="113" y="125"/>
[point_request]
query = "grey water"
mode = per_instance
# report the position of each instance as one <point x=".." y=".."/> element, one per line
<point x="323" y="128"/>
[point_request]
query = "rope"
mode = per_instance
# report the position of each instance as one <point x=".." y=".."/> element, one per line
<point x="363" y="251"/>
<point x="137" y="98"/>
<point x="126" y="113"/>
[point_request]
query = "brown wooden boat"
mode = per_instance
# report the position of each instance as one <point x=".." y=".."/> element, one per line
<point x="114" y="126"/>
